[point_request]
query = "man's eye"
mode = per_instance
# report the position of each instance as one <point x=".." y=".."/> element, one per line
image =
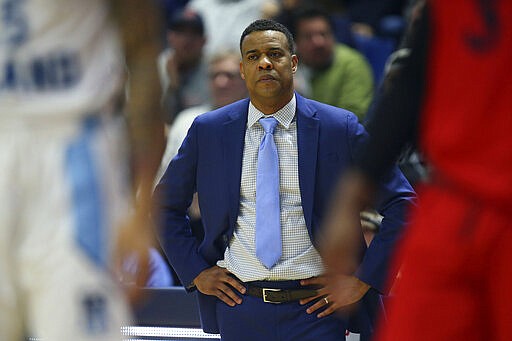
<point x="252" y="57"/>
<point x="275" y="54"/>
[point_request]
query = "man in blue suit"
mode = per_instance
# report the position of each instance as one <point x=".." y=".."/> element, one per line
<point x="241" y="294"/>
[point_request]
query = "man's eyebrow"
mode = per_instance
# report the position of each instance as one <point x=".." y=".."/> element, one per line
<point x="269" y="49"/>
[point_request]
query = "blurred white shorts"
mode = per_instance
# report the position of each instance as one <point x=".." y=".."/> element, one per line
<point x="63" y="189"/>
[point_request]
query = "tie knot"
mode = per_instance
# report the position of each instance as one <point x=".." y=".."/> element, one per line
<point x="268" y="124"/>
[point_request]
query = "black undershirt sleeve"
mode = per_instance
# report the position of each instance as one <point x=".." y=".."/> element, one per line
<point x="395" y="117"/>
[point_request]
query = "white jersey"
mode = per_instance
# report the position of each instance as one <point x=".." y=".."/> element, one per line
<point x="57" y="58"/>
<point x="63" y="171"/>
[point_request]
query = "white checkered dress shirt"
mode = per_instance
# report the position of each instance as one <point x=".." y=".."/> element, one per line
<point x="299" y="259"/>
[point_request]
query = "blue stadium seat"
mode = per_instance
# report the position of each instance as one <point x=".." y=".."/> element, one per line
<point x="376" y="50"/>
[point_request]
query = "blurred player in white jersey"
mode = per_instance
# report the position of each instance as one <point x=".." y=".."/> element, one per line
<point x="66" y="182"/>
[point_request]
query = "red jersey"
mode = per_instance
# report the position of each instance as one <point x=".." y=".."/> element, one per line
<point x="466" y="123"/>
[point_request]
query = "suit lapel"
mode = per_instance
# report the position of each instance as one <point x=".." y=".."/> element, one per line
<point x="307" y="144"/>
<point x="233" y="135"/>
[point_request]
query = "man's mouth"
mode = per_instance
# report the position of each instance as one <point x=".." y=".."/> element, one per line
<point x="266" y="78"/>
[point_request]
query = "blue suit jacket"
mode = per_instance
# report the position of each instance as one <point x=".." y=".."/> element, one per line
<point x="210" y="162"/>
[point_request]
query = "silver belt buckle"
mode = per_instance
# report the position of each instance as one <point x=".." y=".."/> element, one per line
<point x="265" y="295"/>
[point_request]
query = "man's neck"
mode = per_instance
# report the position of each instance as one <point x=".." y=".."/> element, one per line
<point x="269" y="106"/>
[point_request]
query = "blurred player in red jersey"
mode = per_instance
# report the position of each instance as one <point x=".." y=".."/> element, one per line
<point x="453" y="95"/>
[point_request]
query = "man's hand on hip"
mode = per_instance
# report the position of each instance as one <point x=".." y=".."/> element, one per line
<point x="336" y="292"/>
<point x="217" y="281"/>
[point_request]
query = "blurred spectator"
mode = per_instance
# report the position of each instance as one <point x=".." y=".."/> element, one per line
<point x="168" y="8"/>
<point x="330" y="72"/>
<point x="181" y="66"/>
<point x="225" y="19"/>
<point x="226" y="86"/>
<point x="341" y="21"/>
<point x="285" y="12"/>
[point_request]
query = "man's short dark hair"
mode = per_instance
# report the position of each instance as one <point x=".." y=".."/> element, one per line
<point x="265" y="25"/>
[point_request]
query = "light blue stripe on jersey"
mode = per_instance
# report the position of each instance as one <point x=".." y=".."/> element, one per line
<point x="87" y="205"/>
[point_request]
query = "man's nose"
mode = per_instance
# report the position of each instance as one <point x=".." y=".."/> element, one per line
<point x="265" y="63"/>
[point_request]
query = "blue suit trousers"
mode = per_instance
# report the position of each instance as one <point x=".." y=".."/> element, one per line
<point x="255" y="320"/>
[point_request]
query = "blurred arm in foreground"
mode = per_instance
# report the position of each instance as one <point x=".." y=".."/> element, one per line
<point x="394" y="126"/>
<point x="140" y="32"/>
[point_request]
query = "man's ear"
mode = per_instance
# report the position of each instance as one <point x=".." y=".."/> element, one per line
<point x="295" y="63"/>
<point x="242" y="74"/>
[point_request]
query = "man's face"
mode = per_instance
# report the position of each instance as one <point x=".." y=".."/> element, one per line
<point x="226" y="85"/>
<point x="315" y="42"/>
<point x="268" y="66"/>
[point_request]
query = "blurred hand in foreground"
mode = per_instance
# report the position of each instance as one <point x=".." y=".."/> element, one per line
<point x="340" y="246"/>
<point x="337" y="292"/>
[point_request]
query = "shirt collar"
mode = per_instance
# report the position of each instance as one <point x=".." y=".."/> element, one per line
<point x="284" y="115"/>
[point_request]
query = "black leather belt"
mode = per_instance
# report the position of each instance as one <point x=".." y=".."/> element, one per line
<point x="271" y="295"/>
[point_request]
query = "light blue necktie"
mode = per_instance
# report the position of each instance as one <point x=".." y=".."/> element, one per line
<point x="268" y="227"/>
